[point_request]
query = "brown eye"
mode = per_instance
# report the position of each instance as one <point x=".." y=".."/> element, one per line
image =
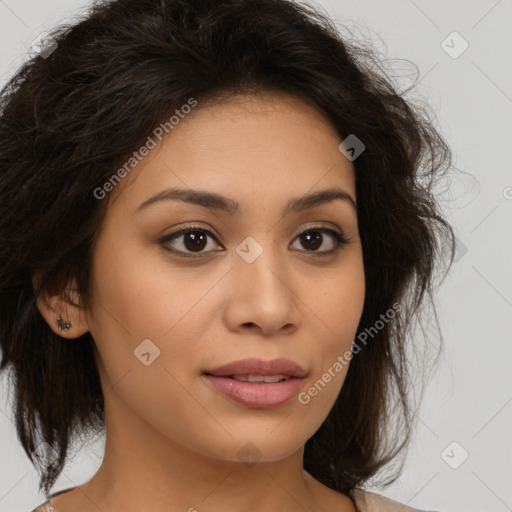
<point x="313" y="239"/>
<point x="188" y="241"/>
<point x="192" y="241"/>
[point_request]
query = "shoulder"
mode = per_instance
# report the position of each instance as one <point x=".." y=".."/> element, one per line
<point x="372" y="502"/>
<point x="45" y="507"/>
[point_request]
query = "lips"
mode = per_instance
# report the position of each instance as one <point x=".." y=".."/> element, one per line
<point x="258" y="367"/>
<point x="258" y="384"/>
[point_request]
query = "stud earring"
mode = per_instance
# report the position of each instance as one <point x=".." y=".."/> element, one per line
<point x="63" y="326"/>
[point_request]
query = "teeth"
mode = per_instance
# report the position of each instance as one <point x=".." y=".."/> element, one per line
<point x="260" y="378"/>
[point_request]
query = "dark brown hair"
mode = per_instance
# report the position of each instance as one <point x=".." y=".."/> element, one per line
<point x="69" y="119"/>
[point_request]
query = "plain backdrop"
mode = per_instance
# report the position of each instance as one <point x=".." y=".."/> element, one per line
<point x="461" y="454"/>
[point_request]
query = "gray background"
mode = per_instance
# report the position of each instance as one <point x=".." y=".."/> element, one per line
<point x="469" y="399"/>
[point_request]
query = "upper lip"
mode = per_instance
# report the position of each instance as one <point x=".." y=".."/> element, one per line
<point x="254" y="366"/>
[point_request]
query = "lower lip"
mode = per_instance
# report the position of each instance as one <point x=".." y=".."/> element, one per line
<point x="257" y="395"/>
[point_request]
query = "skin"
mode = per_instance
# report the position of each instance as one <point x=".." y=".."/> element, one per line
<point x="172" y="440"/>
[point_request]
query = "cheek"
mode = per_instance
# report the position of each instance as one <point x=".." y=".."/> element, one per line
<point x="338" y="304"/>
<point x="139" y="296"/>
<point x="338" y="310"/>
<point x="135" y="288"/>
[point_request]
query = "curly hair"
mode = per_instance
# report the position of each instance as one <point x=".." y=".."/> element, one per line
<point x="70" y="118"/>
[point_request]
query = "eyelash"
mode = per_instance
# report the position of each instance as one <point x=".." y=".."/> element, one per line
<point x="339" y="239"/>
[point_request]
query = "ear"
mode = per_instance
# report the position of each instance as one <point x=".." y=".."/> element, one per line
<point x="65" y="304"/>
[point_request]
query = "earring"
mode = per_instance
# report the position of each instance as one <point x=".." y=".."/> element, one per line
<point x="63" y="326"/>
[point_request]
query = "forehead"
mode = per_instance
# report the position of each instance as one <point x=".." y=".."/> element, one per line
<point x="269" y="141"/>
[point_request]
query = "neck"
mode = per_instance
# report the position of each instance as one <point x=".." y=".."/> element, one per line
<point x="144" y="470"/>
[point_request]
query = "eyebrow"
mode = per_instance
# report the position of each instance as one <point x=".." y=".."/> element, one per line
<point x="230" y="206"/>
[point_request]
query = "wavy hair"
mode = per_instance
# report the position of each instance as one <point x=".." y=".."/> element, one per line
<point x="71" y="117"/>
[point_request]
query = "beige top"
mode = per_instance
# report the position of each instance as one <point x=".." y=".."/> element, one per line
<point x="365" y="502"/>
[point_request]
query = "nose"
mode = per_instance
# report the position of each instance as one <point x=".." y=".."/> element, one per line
<point x="265" y="291"/>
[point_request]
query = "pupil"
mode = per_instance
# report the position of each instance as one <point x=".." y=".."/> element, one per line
<point x="196" y="238"/>
<point x="316" y="243"/>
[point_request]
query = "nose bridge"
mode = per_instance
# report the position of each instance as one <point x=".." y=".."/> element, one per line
<point x="261" y="258"/>
<point x="261" y="275"/>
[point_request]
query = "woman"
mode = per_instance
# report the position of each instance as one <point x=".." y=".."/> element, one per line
<point x="224" y="227"/>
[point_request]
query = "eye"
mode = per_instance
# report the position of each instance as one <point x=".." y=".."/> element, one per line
<point x="314" y="238"/>
<point x="194" y="241"/>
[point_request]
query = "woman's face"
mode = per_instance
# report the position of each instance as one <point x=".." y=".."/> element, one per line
<point x="266" y="283"/>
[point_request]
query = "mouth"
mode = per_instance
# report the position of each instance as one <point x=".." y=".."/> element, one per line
<point x="256" y="383"/>
<point x="268" y="379"/>
<point x="255" y="370"/>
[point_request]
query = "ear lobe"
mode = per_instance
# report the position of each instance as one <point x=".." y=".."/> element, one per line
<point x="64" y="305"/>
